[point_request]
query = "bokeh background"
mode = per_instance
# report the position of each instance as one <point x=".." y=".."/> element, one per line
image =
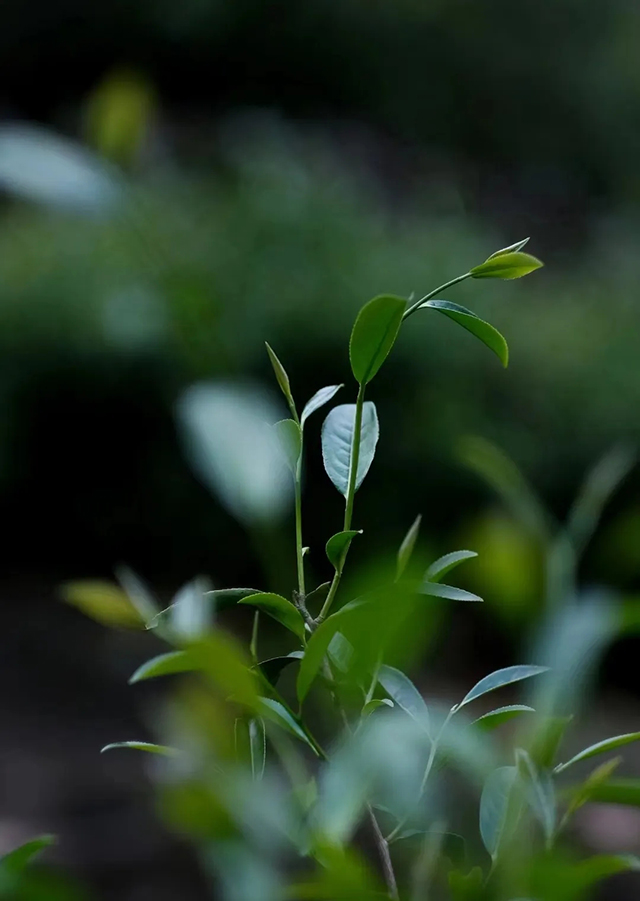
<point x="258" y="171"/>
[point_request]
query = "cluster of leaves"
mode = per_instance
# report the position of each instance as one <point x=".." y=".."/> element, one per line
<point x="275" y="796"/>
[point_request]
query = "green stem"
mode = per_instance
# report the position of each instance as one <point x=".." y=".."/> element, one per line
<point x="418" y="303"/>
<point x="298" y="502"/>
<point x="351" y="491"/>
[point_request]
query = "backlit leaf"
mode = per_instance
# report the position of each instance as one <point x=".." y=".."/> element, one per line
<point x="512" y="248"/>
<point x="374" y="333"/>
<point x="507" y="265"/>
<point x="14" y="862"/>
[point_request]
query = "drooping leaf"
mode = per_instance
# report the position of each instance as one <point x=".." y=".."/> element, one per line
<point x="16" y="861"/>
<point x="512" y="248"/>
<point x="439" y="568"/>
<point x="406" y="548"/>
<point x="319" y="399"/>
<point x="318" y="595"/>
<point x="404" y="693"/>
<point x="163" y="750"/>
<point x="500" y="678"/>
<point x="164" y="665"/>
<point x="374" y="333"/>
<point x="282" y="378"/>
<point x="507" y="265"/>
<point x="338" y="546"/>
<point x="450" y="592"/>
<point x="540" y="793"/>
<point x="494" y="807"/>
<point x="290" y="440"/>
<point x="279" y="608"/>
<point x="601" y="747"/>
<point x="484" y="331"/>
<point x="278" y="713"/>
<point x="489" y="721"/>
<point x="337" y="443"/>
<point x="272" y="668"/>
<point x="103" y="602"/>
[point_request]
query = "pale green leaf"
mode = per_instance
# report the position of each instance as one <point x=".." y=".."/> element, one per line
<point x="290" y="440"/>
<point x="512" y="248"/>
<point x="404" y="693"/>
<point x="282" y="378"/>
<point x="319" y="399"/>
<point x="500" y="715"/>
<point x="164" y="665"/>
<point x="500" y="678"/>
<point x="439" y="568"/>
<point x="338" y="432"/>
<point x="601" y="747"/>
<point x="494" y="807"/>
<point x="435" y="589"/>
<point x="507" y="265"/>
<point x="278" y="713"/>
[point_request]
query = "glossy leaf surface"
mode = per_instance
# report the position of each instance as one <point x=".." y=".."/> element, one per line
<point x="374" y="333"/>
<point x="500" y="678"/>
<point x="482" y="330"/>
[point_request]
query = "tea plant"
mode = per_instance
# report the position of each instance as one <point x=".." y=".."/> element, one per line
<point x="280" y="785"/>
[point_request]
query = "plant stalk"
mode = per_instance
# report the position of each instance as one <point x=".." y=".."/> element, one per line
<point x="383" y="849"/>
<point x="298" y="504"/>
<point x="418" y="303"/>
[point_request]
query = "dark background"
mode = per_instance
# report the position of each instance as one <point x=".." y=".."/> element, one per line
<point x="283" y="163"/>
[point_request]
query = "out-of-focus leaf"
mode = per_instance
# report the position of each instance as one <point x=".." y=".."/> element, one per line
<point x="319" y="399"/>
<point x="489" y="721"/>
<point x="617" y="791"/>
<point x="279" y="608"/>
<point x="562" y="880"/>
<point x="466" y="886"/>
<point x="507" y="265"/>
<point x="512" y="248"/>
<point x="340" y="652"/>
<point x="272" y="668"/>
<point x="229" y="597"/>
<point x="223" y="662"/>
<point x="373" y="705"/>
<point x="374" y="333"/>
<point x="103" y="602"/>
<point x="119" y="114"/>
<point x="540" y="793"/>
<point x="234" y="450"/>
<point x="449" y="592"/>
<point x="499" y="678"/>
<point x="494" y="807"/>
<point x="338" y="546"/>
<point x="342" y="876"/>
<point x="314" y="654"/>
<point x="439" y="568"/>
<point x="406" y="548"/>
<point x="164" y="665"/>
<point x="257" y="747"/>
<point x="278" y="713"/>
<point x="337" y="443"/>
<point x="290" y="440"/>
<point x="601" y="747"/>
<point x="17" y="860"/>
<point x="588" y="790"/>
<point x="190" y="613"/>
<point x="38" y="165"/>
<point x="404" y="693"/>
<point x="282" y="378"/>
<point x="138" y="593"/>
<point x="163" y="750"/>
<point x="482" y="330"/>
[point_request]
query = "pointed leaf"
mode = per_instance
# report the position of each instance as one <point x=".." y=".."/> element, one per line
<point x="229" y="597"/>
<point x="588" y="790"/>
<point x="617" y="791"/>
<point x="373" y="705"/>
<point x="337" y="443"/>
<point x="601" y="747"/>
<point x="500" y="715"/>
<point x="163" y="750"/>
<point x="14" y="862"/>
<point x="512" y="248"/>
<point x="448" y="591"/>
<point x="472" y="323"/>
<point x="319" y="399"/>
<point x="278" y="713"/>
<point x="407" y="546"/>
<point x="445" y="564"/>
<point x="290" y="440"/>
<point x="341" y="652"/>
<point x="374" y="333"/>
<point x="279" y="608"/>
<point x="507" y="265"/>
<point x="402" y="690"/>
<point x="138" y="593"/>
<point x="164" y="665"/>
<point x="494" y="807"/>
<point x="103" y="602"/>
<point x="338" y="546"/>
<point x="499" y="678"/>
<point x="314" y="654"/>
<point x="540" y="793"/>
<point x="272" y="668"/>
<point x="281" y="377"/>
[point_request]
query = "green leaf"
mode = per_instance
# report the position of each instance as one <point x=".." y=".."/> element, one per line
<point x="278" y="713"/>
<point x="138" y="593"/>
<point x="290" y="440"/>
<point x="445" y="564"/>
<point x="279" y="608"/>
<point x="282" y="378"/>
<point x="221" y="659"/>
<point x="103" y="602"/>
<point x="272" y="667"/>
<point x="338" y="545"/>
<point x="16" y="861"/>
<point x="494" y="807"/>
<point x="374" y="333"/>
<point x="314" y="654"/>
<point x="337" y="442"/>
<point x="374" y="704"/>
<point x="500" y="715"/>
<point x="507" y="265"/>
<point x="190" y="613"/>
<point x="229" y="597"/>
<point x="466" y="886"/>
<point x="588" y="790"/>
<point x="257" y="747"/>
<point x="540" y="793"/>
<point x="512" y="248"/>
<point x="341" y="652"/>
<point x="617" y="791"/>
<point x="500" y="678"/>
<point x="318" y="594"/>
<point x="484" y="331"/>
<point x="319" y="399"/>
<point x="602" y="747"/>
<point x="164" y="665"/>
<point x="402" y="690"/>
<point x="434" y="589"/>
<point x="407" y="546"/>
<point x="163" y="750"/>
